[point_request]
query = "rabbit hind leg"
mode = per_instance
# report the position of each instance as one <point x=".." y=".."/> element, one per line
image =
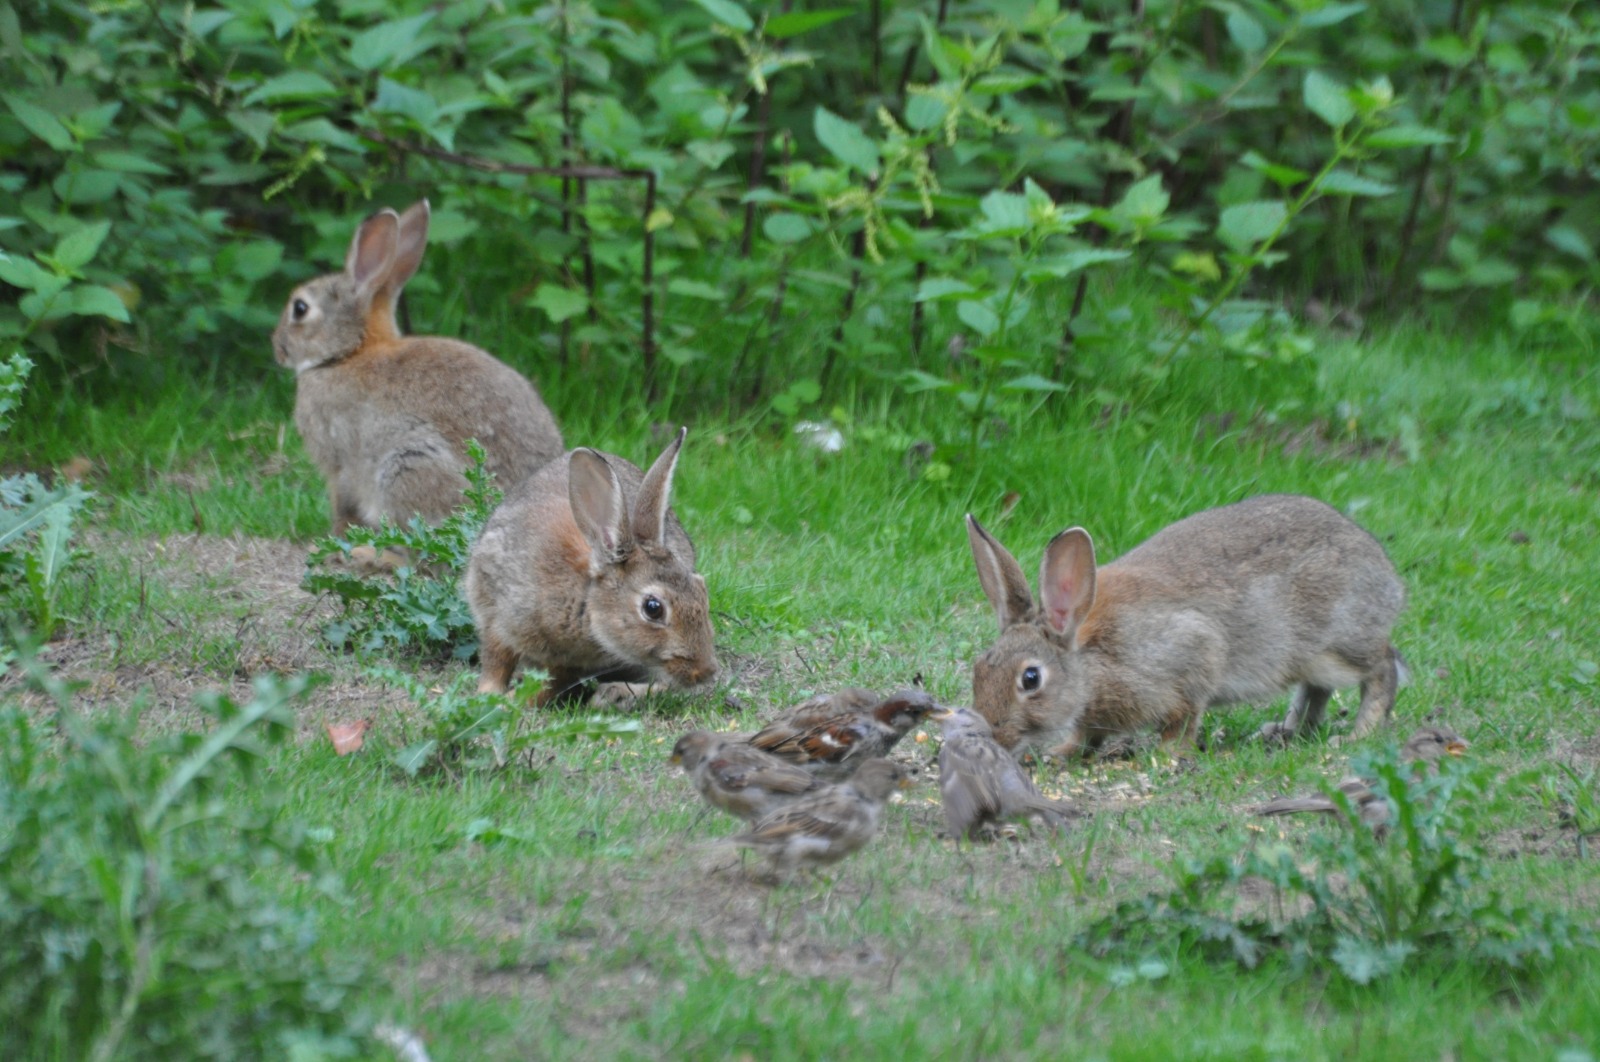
<point x="1378" y="688"/>
<point x="420" y="477"/>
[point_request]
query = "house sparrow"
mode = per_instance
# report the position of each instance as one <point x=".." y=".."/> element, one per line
<point x="739" y="778"/>
<point x="1428" y="745"/>
<point x="981" y="783"/>
<point x="830" y="734"/>
<point x="828" y="824"/>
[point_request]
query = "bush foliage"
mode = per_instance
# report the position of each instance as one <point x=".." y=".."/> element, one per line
<point x="131" y="925"/>
<point x="699" y="191"/>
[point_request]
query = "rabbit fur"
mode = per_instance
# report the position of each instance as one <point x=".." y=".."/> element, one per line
<point x="585" y="572"/>
<point x="1230" y="605"/>
<point x="386" y="417"/>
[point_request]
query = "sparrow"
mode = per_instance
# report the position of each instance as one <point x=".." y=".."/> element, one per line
<point x="1428" y="745"/>
<point x="828" y="824"/>
<point x="981" y="783"/>
<point x="739" y="778"/>
<point x="830" y="734"/>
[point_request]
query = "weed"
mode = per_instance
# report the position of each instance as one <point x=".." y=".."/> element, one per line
<point x="477" y="731"/>
<point x="1365" y="901"/>
<point x="419" y="609"/>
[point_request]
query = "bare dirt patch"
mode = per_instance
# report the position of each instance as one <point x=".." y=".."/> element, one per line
<point x="232" y="608"/>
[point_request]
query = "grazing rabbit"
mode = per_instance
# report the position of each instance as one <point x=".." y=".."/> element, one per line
<point x="1229" y="605"/>
<point x="386" y="417"/>
<point x="584" y="572"/>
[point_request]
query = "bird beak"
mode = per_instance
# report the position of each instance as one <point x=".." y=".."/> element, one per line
<point x="907" y="782"/>
<point x="1456" y="748"/>
<point x="676" y="759"/>
<point x="941" y="713"/>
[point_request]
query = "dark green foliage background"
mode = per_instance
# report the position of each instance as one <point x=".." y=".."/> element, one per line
<point x="233" y="148"/>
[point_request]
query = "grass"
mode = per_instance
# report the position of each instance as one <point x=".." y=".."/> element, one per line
<point x="607" y="929"/>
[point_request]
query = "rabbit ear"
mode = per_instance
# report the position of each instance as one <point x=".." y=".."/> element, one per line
<point x="650" y="507"/>
<point x="595" y="494"/>
<point x="372" y="251"/>
<point x="412" y="241"/>
<point x="1066" y="580"/>
<point x="1001" y="576"/>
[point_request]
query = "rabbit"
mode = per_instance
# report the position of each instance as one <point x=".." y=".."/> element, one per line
<point x="585" y="572"/>
<point x="386" y="417"/>
<point x="1230" y="605"/>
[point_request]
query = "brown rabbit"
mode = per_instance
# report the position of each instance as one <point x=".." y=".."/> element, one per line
<point x="386" y="417"/>
<point x="1230" y="605"/>
<point x="585" y="572"/>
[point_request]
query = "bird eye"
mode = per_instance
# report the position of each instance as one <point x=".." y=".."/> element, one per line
<point x="653" y="609"/>
<point x="299" y="308"/>
<point x="1030" y="679"/>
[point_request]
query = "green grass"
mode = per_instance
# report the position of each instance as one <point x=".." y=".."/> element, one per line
<point x="611" y="931"/>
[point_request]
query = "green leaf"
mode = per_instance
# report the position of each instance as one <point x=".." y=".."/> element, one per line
<point x="1330" y="15"/>
<point x="322" y="131"/>
<point x="1364" y="961"/>
<point x="1246" y="32"/>
<point x="40" y="122"/>
<point x="1004" y="84"/>
<point x="1570" y="240"/>
<point x="1491" y="273"/>
<point x="1404" y="136"/>
<point x="978" y="317"/>
<point x="787" y="228"/>
<point x="92" y="300"/>
<point x="23" y="273"/>
<point x="1343" y="182"/>
<point x="413" y="758"/>
<point x="77" y="249"/>
<point x="594" y="726"/>
<point x="560" y="303"/>
<point x="257" y="125"/>
<point x="255" y="260"/>
<point x="40" y="508"/>
<point x="1328" y="99"/>
<point x="295" y="85"/>
<point x="846" y="142"/>
<point x="934" y="289"/>
<point x="1032" y="382"/>
<point x="696" y="289"/>
<point x="1145" y="200"/>
<point x="1069" y="263"/>
<point x="1279" y="174"/>
<point x="85" y="187"/>
<point x="1245" y="225"/>
<point x="915" y="381"/>
<point x="794" y="23"/>
<point x="1005" y="212"/>
<point x="415" y="104"/>
<point x="925" y="111"/>
<point x="128" y="162"/>
<point x="389" y="44"/>
<point x="729" y="14"/>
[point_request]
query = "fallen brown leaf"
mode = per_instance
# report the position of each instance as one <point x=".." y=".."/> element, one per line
<point x="348" y="737"/>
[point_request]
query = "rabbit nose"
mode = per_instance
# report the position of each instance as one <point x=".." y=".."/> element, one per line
<point x="699" y="672"/>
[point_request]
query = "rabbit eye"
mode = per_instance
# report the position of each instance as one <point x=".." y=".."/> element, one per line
<point x="653" y="609"/>
<point x="299" y="308"/>
<point x="1029" y="679"/>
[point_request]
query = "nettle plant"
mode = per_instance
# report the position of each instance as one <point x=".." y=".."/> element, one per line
<point x="1020" y="243"/>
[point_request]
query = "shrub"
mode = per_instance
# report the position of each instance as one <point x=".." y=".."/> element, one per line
<point x="130" y="923"/>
